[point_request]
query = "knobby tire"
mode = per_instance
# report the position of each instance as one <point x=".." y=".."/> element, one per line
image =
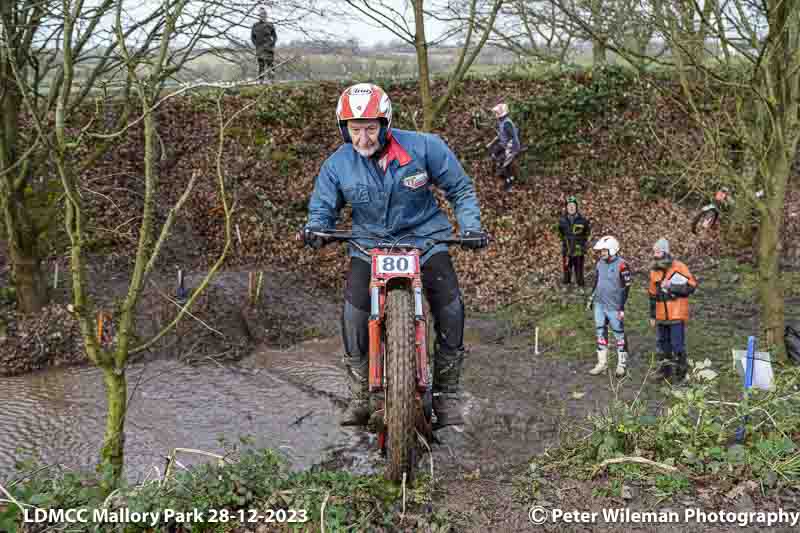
<point x="400" y="384"/>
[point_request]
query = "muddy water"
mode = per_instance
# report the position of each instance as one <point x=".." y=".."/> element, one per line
<point x="289" y="401"/>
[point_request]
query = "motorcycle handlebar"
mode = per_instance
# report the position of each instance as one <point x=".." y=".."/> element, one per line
<point x="345" y="236"/>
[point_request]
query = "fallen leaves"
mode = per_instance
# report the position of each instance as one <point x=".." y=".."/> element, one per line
<point x="271" y="187"/>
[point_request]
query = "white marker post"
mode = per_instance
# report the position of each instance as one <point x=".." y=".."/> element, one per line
<point x="536" y="341"/>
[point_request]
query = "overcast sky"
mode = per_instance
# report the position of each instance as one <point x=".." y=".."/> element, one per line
<point x="359" y="27"/>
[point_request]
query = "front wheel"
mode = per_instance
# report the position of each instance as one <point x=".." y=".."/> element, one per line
<point x="400" y="384"/>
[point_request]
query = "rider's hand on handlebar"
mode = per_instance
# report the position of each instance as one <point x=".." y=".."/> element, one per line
<point x="475" y="240"/>
<point x="309" y="239"/>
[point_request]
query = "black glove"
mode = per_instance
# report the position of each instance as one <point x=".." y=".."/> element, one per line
<point x="314" y="241"/>
<point x="475" y="240"/>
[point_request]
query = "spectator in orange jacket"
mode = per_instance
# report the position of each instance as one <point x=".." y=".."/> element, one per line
<point x="671" y="284"/>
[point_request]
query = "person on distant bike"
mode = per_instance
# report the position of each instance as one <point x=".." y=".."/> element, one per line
<point x="505" y="147"/>
<point x="671" y="284"/>
<point x="574" y="230"/>
<point x="611" y="287"/>
<point x="264" y="37"/>
<point x="386" y="176"/>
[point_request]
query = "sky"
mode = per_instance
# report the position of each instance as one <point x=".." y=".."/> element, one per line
<point x="367" y="33"/>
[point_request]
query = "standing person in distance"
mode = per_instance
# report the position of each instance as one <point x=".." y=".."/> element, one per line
<point x="264" y="38"/>
<point x="671" y="284"/>
<point x="610" y="293"/>
<point x="574" y="230"/>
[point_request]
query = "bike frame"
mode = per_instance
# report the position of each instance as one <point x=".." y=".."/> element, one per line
<point x="378" y="286"/>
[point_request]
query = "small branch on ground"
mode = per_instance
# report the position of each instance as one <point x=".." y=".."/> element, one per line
<point x="639" y="460"/>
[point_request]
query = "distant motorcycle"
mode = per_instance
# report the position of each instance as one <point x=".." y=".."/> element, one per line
<point x="708" y="216"/>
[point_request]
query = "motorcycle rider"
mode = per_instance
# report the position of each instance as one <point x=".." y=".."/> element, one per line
<point x="612" y="284"/>
<point x="386" y="175"/>
<point x="506" y="146"/>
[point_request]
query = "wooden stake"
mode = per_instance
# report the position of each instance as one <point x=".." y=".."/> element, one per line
<point x="536" y="341"/>
<point x="259" y="285"/>
<point x="100" y="320"/>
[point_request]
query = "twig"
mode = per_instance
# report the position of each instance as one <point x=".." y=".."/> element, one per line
<point x="187" y="311"/>
<point x="108" y="498"/>
<point x="26" y="476"/>
<point x="322" y="512"/>
<point x="215" y="361"/>
<point x="403" y="514"/>
<point x="299" y="419"/>
<point x="430" y="453"/>
<point x="639" y="460"/>
<point x="172" y="458"/>
<point x="11" y="498"/>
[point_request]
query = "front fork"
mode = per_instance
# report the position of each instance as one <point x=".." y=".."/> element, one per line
<point x="376" y="351"/>
<point x="377" y="301"/>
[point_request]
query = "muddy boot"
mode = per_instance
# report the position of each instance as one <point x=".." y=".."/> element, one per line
<point x="447" y="404"/>
<point x="509" y="184"/>
<point x="665" y="366"/>
<point x="622" y="361"/>
<point x="681" y="366"/>
<point x="357" y="412"/>
<point x="602" y="363"/>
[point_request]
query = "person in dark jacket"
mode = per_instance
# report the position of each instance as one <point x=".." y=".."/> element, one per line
<point x="574" y="230"/>
<point x="264" y="38"/>
<point x="671" y="284"/>
<point x="387" y="176"/>
<point x="506" y="146"/>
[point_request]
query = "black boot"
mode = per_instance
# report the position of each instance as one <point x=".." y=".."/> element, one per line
<point x="357" y="412"/>
<point x="681" y="366"/>
<point x="447" y="405"/>
<point x="665" y="366"/>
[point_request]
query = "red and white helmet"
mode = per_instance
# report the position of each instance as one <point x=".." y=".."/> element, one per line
<point x="365" y="101"/>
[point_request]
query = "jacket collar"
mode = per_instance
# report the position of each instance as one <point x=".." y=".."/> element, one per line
<point x="394" y="152"/>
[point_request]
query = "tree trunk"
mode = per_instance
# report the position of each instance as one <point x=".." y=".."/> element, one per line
<point x="112" y="455"/>
<point x="423" y="68"/>
<point x="30" y="281"/>
<point x="599" y="53"/>
<point x="20" y="230"/>
<point x="770" y="282"/>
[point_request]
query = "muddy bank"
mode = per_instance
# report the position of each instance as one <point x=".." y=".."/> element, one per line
<point x="225" y="326"/>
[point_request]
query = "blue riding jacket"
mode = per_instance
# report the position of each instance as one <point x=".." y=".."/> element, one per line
<point x="392" y="196"/>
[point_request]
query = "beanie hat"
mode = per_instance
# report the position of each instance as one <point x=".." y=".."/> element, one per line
<point x="661" y="245"/>
<point x="572" y="200"/>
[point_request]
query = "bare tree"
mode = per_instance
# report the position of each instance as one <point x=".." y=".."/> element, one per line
<point x="472" y="18"/>
<point x="147" y="55"/>
<point x="764" y="121"/>
<point x="31" y="47"/>
<point x="534" y="29"/>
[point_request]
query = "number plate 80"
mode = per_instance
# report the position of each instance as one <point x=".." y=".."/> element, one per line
<point x="396" y="264"/>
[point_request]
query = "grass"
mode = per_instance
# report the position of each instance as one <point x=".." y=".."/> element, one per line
<point x="694" y="426"/>
<point x="255" y="480"/>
